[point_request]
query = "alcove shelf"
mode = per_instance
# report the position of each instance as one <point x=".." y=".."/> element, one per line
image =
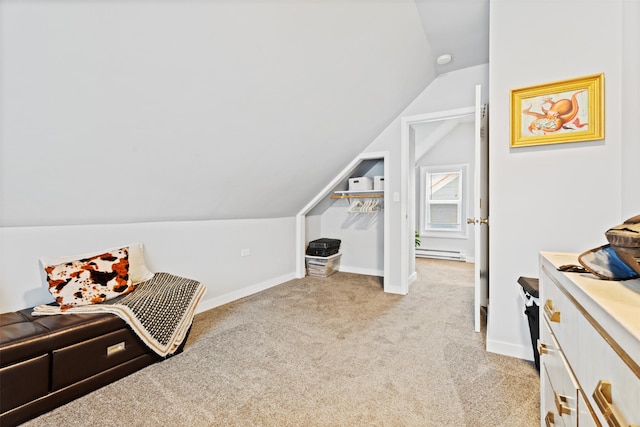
<point x="362" y="194"/>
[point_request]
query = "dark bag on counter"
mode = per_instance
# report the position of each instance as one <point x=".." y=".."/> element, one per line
<point x="625" y="241"/>
<point x="605" y="263"/>
<point x="618" y="260"/>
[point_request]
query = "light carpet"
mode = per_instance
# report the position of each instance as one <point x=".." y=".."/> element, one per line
<point x="333" y="351"/>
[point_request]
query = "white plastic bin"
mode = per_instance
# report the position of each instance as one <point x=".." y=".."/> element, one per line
<point x="361" y="183"/>
<point x="318" y="266"/>
<point x="378" y="183"/>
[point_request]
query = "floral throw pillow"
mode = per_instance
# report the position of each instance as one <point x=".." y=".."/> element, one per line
<point x="90" y="280"/>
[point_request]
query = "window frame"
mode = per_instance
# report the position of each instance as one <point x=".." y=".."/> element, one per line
<point x="460" y="232"/>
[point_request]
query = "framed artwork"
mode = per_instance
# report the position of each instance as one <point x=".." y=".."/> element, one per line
<point x="553" y="113"/>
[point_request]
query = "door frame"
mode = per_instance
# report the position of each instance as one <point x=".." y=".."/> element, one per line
<point x="408" y="185"/>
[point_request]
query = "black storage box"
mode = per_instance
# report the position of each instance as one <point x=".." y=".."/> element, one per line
<point x="322" y="252"/>
<point x="531" y="289"/>
<point x="324" y="243"/>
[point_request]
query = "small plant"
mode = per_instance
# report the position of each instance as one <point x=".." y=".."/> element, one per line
<point x="417" y="236"/>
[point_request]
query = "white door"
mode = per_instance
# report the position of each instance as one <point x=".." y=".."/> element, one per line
<point x="480" y="218"/>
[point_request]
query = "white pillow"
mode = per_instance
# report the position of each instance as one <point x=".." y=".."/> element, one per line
<point x="138" y="270"/>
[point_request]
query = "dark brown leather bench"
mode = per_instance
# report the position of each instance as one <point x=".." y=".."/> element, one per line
<point x="47" y="361"/>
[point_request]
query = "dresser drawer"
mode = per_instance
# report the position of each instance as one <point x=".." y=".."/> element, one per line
<point x="561" y="315"/>
<point x="90" y="357"/>
<point x="548" y="412"/>
<point x="609" y="383"/>
<point x="586" y="416"/>
<point x="23" y="382"/>
<point x="564" y="388"/>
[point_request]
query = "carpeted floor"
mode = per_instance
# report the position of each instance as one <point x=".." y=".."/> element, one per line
<point x="331" y="351"/>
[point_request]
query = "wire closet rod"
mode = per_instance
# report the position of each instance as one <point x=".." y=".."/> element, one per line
<point x="357" y="196"/>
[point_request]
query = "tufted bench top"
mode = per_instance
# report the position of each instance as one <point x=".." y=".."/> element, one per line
<point x="23" y="336"/>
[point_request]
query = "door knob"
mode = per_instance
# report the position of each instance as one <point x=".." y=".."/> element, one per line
<point x="471" y="220"/>
<point x="484" y="221"/>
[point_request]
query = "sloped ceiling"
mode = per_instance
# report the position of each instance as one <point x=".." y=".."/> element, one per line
<point x="456" y="27"/>
<point x="140" y="111"/>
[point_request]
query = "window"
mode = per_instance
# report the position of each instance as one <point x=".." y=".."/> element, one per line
<point x="443" y="196"/>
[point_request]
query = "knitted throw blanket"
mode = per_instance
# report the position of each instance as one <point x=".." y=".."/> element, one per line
<point x="159" y="311"/>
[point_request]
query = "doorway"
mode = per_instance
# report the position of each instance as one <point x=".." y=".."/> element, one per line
<point x="444" y="188"/>
<point x="436" y="123"/>
<point x="479" y="220"/>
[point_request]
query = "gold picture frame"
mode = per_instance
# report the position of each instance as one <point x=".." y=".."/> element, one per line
<point x="553" y="113"/>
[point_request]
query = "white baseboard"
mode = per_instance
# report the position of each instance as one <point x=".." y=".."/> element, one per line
<point x="241" y="293"/>
<point x="508" y="349"/>
<point x="358" y="270"/>
<point x="413" y="277"/>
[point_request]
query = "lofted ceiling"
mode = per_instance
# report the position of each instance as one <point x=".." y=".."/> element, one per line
<point x="459" y="28"/>
<point x="206" y="109"/>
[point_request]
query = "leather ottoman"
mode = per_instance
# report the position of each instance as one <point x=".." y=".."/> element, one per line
<point x="47" y="361"/>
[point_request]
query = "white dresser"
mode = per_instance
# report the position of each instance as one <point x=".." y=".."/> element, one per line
<point x="589" y="347"/>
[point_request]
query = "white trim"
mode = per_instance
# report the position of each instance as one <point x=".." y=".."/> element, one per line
<point x="407" y="172"/>
<point x="326" y="191"/>
<point x="342" y="175"/>
<point x="241" y="293"/>
<point x="299" y="246"/>
<point x="358" y="270"/>
<point x="505" y="348"/>
<point x="463" y="233"/>
<point x="405" y="135"/>
<point x="413" y="277"/>
<point x="508" y="349"/>
<point x="441" y="115"/>
<point x="387" y="223"/>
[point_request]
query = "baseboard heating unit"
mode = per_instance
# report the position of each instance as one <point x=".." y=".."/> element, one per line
<point x="440" y="254"/>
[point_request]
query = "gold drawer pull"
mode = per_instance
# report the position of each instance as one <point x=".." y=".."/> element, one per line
<point x="561" y="404"/>
<point x="116" y="348"/>
<point x="554" y="316"/>
<point x="542" y="348"/>
<point x="549" y="419"/>
<point x="603" y="397"/>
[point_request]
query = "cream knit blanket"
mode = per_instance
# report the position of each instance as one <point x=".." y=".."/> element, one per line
<point x="160" y="311"/>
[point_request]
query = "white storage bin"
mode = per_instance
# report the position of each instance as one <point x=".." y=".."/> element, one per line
<point x="361" y="183"/>
<point x="378" y="183"/>
<point x="318" y="266"/>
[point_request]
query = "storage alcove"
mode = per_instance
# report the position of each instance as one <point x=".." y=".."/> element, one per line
<point x="356" y="218"/>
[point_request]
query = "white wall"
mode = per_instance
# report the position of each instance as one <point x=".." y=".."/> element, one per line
<point x="457" y="147"/>
<point x="140" y="111"/>
<point x="207" y="251"/>
<point x="173" y="117"/>
<point x="559" y="197"/>
<point x="361" y="235"/>
<point x="630" y="108"/>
